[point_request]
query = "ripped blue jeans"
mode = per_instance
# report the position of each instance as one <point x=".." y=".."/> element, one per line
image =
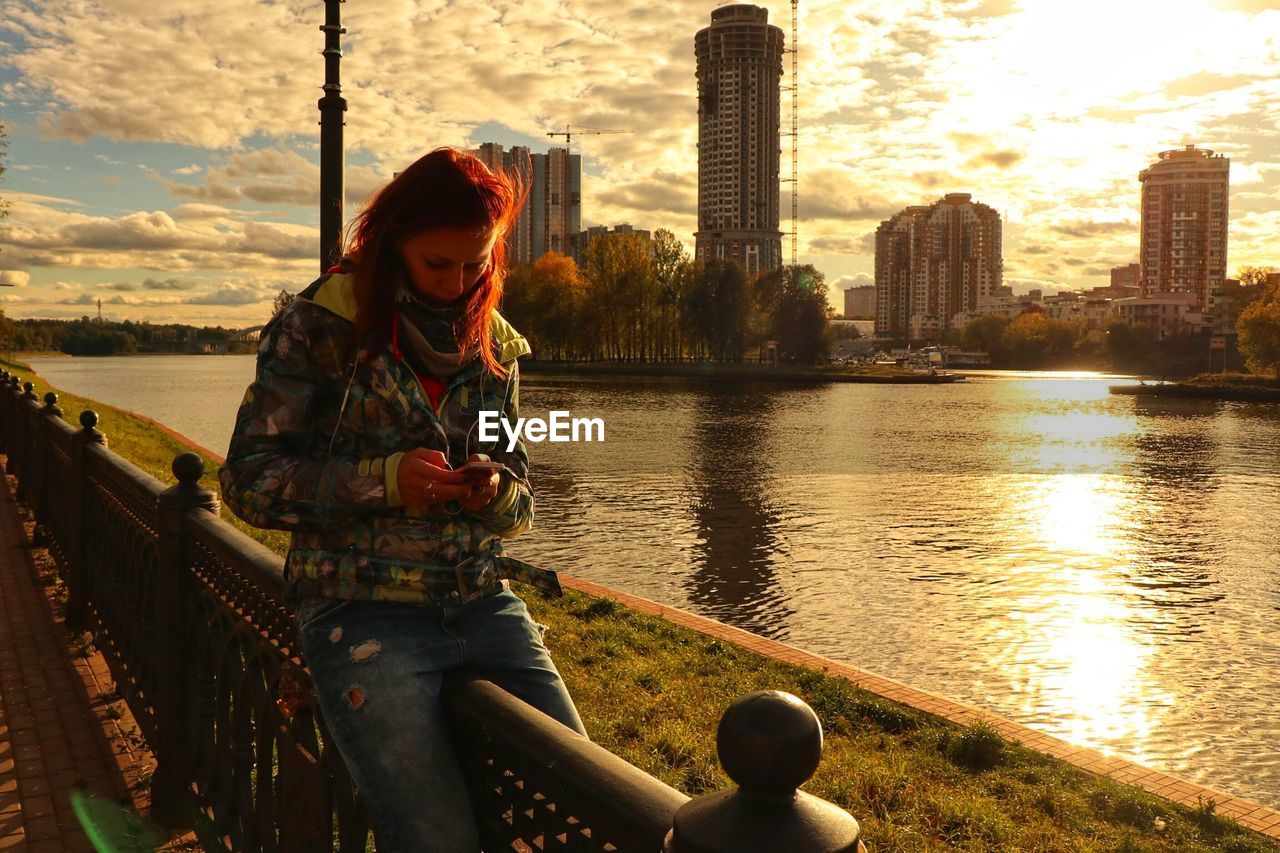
<point x="378" y="667"/>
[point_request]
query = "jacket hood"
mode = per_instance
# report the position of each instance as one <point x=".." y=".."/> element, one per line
<point x="337" y="295"/>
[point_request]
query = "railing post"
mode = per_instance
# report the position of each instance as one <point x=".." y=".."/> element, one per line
<point x="770" y="743"/>
<point x="26" y="426"/>
<point x="39" y="469"/>
<point x="5" y="407"/>
<point x="77" y="549"/>
<point x="12" y="446"/>
<point x="171" y="784"/>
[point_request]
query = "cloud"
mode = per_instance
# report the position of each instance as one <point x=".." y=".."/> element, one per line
<point x="193" y="169"/>
<point x="15" y="278"/>
<point x="275" y="176"/>
<point x="39" y="234"/>
<point x="167" y="284"/>
<point x="229" y="294"/>
<point x="1000" y="159"/>
<point x="660" y="192"/>
<point x="839" y="245"/>
<point x="1094" y="229"/>
<point x="987" y="9"/>
<point x="856" y="280"/>
<point x="931" y="180"/>
<point x="1206" y="83"/>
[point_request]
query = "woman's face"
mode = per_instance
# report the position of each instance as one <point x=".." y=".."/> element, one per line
<point x="445" y="263"/>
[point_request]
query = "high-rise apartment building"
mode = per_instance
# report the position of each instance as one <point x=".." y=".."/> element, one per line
<point x="935" y="265"/>
<point x="1125" y="277"/>
<point x="739" y="69"/>
<point x="552" y="212"/>
<point x="1184" y="224"/>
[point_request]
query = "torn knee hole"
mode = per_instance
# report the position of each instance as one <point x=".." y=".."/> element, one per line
<point x="366" y="651"/>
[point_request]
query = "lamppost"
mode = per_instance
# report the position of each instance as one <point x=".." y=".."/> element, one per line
<point x="332" y="105"/>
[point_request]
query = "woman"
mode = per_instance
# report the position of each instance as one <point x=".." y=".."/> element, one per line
<point x="359" y="435"/>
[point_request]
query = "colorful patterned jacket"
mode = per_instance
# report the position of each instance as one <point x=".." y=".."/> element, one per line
<point x="316" y="449"/>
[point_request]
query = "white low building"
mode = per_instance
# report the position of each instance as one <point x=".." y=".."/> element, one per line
<point x="1171" y="313"/>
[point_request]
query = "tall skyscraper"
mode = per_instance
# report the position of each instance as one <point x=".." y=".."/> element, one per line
<point x="933" y="263"/>
<point x="1184" y="224"/>
<point x="555" y="201"/>
<point x="739" y="69"/>
<point x="552" y="213"/>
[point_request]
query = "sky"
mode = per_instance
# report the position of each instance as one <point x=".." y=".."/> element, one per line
<point x="164" y="156"/>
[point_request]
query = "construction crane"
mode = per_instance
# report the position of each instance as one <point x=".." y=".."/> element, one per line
<point x="794" y="88"/>
<point x="571" y="131"/>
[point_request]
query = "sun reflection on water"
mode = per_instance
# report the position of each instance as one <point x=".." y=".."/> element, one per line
<point x="1075" y="654"/>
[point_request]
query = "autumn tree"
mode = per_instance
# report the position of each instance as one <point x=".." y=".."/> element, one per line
<point x="1034" y="340"/>
<point x="672" y="273"/>
<point x="1259" y="328"/>
<point x="621" y="294"/>
<point x="1234" y="298"/>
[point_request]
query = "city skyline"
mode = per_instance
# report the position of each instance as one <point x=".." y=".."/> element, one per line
<point x="164" y="158"/>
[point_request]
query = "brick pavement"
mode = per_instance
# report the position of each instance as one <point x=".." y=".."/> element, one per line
<point x="58" y="729"/>
<point x="1249" y="814"/>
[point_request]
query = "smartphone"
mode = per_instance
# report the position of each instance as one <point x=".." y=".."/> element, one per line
<point x="480" y="472"/>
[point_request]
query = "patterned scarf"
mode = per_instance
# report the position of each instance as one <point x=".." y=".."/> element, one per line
<point x="427" y="333"/>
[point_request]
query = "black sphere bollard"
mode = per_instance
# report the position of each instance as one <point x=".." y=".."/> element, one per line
<point x="188" y="468"/>
<point x="770" y="743"/>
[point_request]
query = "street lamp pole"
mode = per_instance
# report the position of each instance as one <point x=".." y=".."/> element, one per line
<point x="332" y="106"/>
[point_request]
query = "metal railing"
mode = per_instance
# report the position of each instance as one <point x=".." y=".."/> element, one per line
<point x="190" y="615"/>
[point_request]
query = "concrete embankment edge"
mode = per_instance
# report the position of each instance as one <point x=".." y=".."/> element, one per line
<point x="1249" y="814"/>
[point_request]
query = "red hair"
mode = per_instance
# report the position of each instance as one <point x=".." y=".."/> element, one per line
<point x="447" y="188"/>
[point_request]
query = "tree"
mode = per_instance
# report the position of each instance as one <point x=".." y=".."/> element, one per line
<point x="672" y="272"/>
<point x="716" y="310"/>
<point x="791" y="306"/>
<point x="1259" y="327"/>
<point x="1234" y="298"/>
<point x="1254" y="276"/>
<point x="546" y="300"/>
<point x="1034" y="340"/>
<point x="622" y="293"/>
<point x="283" y="298"/>
<point x="986" y="334"/>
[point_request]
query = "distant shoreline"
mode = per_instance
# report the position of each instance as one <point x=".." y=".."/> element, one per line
<point x="1241" y="393"/>
<point x="718" y="370"/>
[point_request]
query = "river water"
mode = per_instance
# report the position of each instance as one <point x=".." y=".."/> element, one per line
<point x="1102" y="568"/>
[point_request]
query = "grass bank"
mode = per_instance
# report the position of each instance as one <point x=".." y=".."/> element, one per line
<point x="652" y="692"/>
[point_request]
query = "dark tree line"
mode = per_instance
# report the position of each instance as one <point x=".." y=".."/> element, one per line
<point x="94" y="337"/>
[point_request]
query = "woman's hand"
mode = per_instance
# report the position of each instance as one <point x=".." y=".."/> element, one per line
<point x="483" y="492"/>
<point x="425" y="479"/>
